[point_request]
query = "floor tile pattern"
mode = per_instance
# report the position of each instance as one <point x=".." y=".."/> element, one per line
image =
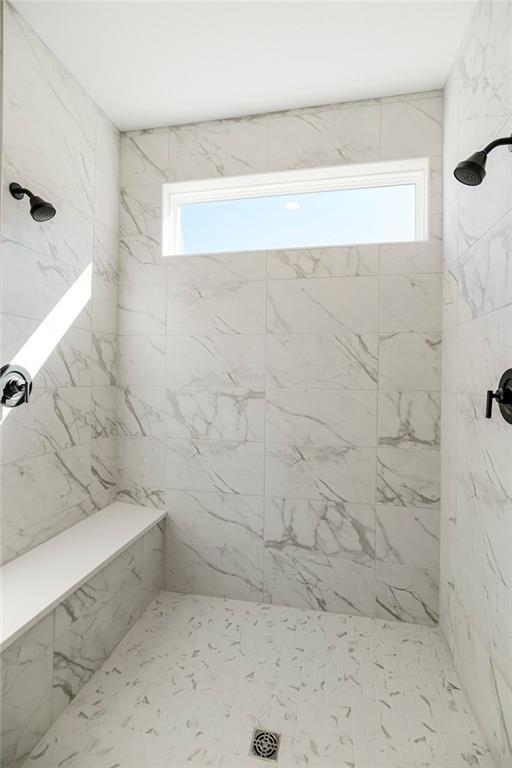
<point x="195" y="675"/>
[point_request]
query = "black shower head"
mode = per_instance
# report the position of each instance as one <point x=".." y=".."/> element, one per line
<point x="40" y="210"/>
<point x="472" y="171"/>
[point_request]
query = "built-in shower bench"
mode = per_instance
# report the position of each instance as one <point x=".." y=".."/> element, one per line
<point x="35" y="583"/>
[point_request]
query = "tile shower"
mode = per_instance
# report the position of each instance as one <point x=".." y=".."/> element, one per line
<point x="284" y="408"/>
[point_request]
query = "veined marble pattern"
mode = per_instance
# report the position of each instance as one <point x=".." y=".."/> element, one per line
<point x="323" y="262"/>
<point x="216" y="361"/>
<point x="219" y="308"/>
<point x="338" y="305"/>
<point x="329" y="136"/>
<point x="195" y="675"/>
<point x="219" y="148"/>
<point x="144" y="157"/>
<point x="323" y="361"/>
<point x="419" y="307"/>
<point x="476" y="504"/>
<point x="409" y="417"/>
<point x="47" y="666"/>
<point x="332" y="528"/>
<point x="320" y="472"/>
<point x="217" y="268"/>
<point x="266" y="386"/>
<point x="58" y="143"/>
<point x="341" y="417"/>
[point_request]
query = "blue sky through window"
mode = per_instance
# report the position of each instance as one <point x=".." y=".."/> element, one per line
<point x="313" y="219"/>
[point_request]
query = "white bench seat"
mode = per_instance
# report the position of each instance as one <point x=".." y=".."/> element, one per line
<point x="35" y="583"/>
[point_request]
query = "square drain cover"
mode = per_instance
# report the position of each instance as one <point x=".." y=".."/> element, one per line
<point x="265" y="744"/>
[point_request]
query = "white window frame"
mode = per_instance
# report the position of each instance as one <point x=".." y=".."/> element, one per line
<point x="338" y="177"/>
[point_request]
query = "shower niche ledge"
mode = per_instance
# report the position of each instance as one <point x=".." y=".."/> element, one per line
<point x="35" y="583"/>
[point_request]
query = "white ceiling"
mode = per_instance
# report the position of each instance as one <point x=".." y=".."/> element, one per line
<point x="151" y="64"/>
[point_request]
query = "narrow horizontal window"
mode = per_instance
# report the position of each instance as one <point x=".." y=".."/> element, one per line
<point x="320" y="207"/>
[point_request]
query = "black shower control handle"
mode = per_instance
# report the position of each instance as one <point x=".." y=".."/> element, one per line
<point x="503" y="396"/>
<point x="498" y="396"/>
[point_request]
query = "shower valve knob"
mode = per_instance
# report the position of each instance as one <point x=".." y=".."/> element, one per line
<point x="503" y="396"/>
<point x="15" y="386"/>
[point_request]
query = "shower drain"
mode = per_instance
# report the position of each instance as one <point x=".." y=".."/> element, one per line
<point x="265" y="744"/>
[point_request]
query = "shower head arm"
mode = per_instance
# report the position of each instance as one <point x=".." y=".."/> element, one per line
<point x="18" y="191"/>
<point x="498" y="143"/>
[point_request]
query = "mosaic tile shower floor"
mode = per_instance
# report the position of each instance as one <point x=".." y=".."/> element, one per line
<point x="195" y="676"/>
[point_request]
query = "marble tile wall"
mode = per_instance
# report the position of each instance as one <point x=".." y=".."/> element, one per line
<point x="57" y="454"/>
<point x="43" y="670"/>
<point x="284" y="406"/>
<point x="476" y="506"/>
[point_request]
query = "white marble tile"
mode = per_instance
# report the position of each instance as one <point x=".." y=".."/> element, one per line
<point x="141" y="359"/>
<point x="323" y="262"/>
<point x="140" y="211"/>
<point x="52" y="275"/>
<point x="407" y="594"/>
<point x="338" y="417"/>
<point x="408" y="536"/>
<point x="216" y="361"/>
<point x="408" y="475"/>
<point x="410" y="303"/>
<point x="409" y="418"/>
<point x="21" y="654"/>
<point x="107" y="170"/>
<point x="484" y="272"/>
<point x="338" y="305"/>
<point x="412" y="128"/>
<point x="216" y="465"/>
<point x="65" y="167"/>
<point x="483" y="67"/>
<point x="216" y="268"/>
<point x="450" y="300"/>
<point x="104" y="306"/>
<point x="153" y="563"/>
<point x="53" y="420"/>
<point x="105" y="253"/>
<point x="410" y="361"/>
<point x="37" y="489"/>
<point x="44" y="82"/>
<point x="317" y="582"/>
<point x="141" y="461"/>
<point x="215" y="518"/>
<point x="26" y="709"/>
<point x="329" y="136"/>
<point x="141" y="411"/>
<point x="483" y="349"/>
<point x="220" y="308"/>
<point x="220" y="148"/>
<point x="323" y="361"/>
<point x="490" y="201"/>
<point x="140" y="261"/>
<point x="411" y="258"/>
<point x="104" y="471"/>
<point x="69" y="364"/>
<point x="198" y="674"/>
<point x="104" y="353"/>
<point x="104" y="421"/>
<point x="69" y="235"/>
<point x="335" y="529"/>
<point x="220" y="414"/>
<point x="141" y="310"/>
<point x="90" y="623"/>
<point x="144" y="157"/>
<point x="227" y="571"/>
<point x="18" y="538"/>
<point x="320" y="472"/>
